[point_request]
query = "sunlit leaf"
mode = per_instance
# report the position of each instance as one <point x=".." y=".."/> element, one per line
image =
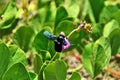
<point x="5" y="57"/>
<point x="114" y="40"/>
<point x="102" y="53"/>
<point x="97" y="31"/>
<point x="94" y="8"/>
<point x="75" y="76"/>
<point x="18" y="55"/>
<point x="64" y="26"/>
<point x="40" y="75"/>
<point x="112" y="30"/>
<point x="109" y="27"/>
<point x="116" y="16"/>
<point x="40" y="41"/>
<point x="107" y="13"/>
<point x="37" y="63"/>
<point x="33" y="76"/>
<point x="55" y="71"/>
<point x="73" y="8"/>
<point x="60" y="15"/>
<point x="8" y="17"/>
<point x="16" y="72"/>
<point x="23" y="37"/>
<point x="59" y="2"/>
<point x="96" y="56"/>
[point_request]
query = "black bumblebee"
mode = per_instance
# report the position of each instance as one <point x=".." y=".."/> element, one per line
<point x="61" y="43"/>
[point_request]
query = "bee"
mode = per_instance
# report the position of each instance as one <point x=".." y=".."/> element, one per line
<point x="60" y="42"/>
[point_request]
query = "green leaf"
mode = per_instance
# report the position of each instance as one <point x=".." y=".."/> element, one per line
<point x="13" y="49"/>
<point x="5" y="56"/>
<point x="59" y="2"/>
<point x="116" y="16"/>
<point x="51" y="48"/>
<point x="112" y="30"/>
<point x="17" y="56"/>
<point x="42" y="43"/>
<point x="114" y="41"/>
<point x="97" y="31"/>
<point x="69" y="19"/>
<point x="40" y="75"/>
<point x="64" y="26"/>
<point x="96" y="56"/>
<point x="3" y="6"/>
<point x="16" y="72"/>
<point x="23" y="37"/>
<point x="19" y="13"/>
<point x="8" y="16"/>
<point x="75" y="39"/>
<point x="33" y="76"/>
<point x="60" y="15"/>
<point x="75" y="76"/>
<point x="9" y="30"/>
<point x="42" y="3"/>
<point x="102" y="52"/>
<point x="94" y="8"/>
<point x="86" y="59"/>
<point x="45" y="55"/>
<point x="73" y="8"/>
<point x="37" y="63"/>
<point x="55" y="71"/>
<point x="107" y="13"/>
<point x="109" y="27"/>
<point x="51" y="12"/>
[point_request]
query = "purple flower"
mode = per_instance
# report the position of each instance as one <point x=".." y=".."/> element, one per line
<point x="67" y="44"/>
<point x="82" y="25"/>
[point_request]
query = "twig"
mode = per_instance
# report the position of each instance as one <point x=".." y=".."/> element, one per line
<point x="53" y="57"/>
<point x="113" y="72"/>
<point x="71" y="33"/>
<point x="76" y="69"/>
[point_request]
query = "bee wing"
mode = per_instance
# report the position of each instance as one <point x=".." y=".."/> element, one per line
<point x="49" y="35"/>
<point x="64" y="42"/>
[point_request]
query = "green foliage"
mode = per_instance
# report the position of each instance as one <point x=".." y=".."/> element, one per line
<point x="96" y="56"/>
<point x="4" y="58"/>
<point x="37" y="63"/>
<point x="9" y="16"/>
<point x="95" y="7"/>
<point x="107" y="13"/>
<point x="40" y="75"/>
<point x="13" y="61"/>
<point x="109" y="27"/>
<point x="65" y="26"/>
<point x="42" y="43"/>
<point x="75" y="76"/>
<point x="23" y="37"/>
<point x="33" y="76"/>
<point x="114" y="40"/>
<point x="73" y="8"/>
<point x="112" y="31"/>
<point x="60" y="15"/>
<point x="54" y="71"/>
<point x="16" y="73"/>
<point x="17" y="56"/>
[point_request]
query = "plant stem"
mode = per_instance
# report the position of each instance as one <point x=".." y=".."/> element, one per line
<point x="53" y="57"/>
<point x="71" y="33"/>
<point x="76" y="69"/>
